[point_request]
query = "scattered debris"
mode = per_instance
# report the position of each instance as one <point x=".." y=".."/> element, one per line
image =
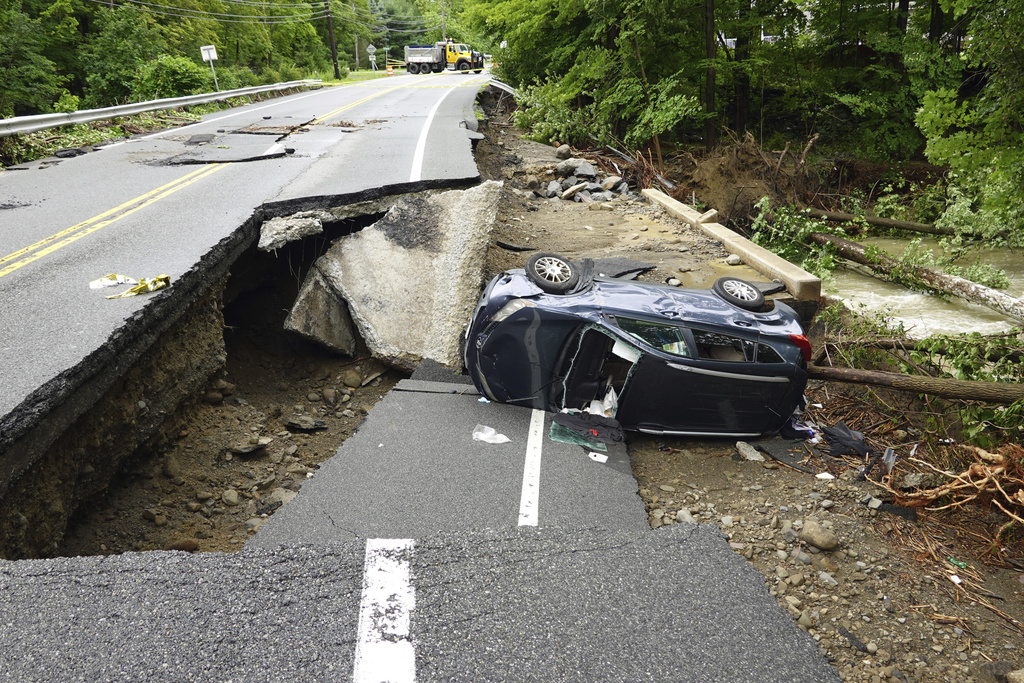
<point x="145" y="286"/>
<point x="488" y="435"/>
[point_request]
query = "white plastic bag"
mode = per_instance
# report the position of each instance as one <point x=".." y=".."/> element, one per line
<point x="488" y="435"/>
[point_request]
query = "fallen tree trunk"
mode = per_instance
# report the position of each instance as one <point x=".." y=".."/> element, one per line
<point x="990" y="392"/>
<point x="930" y="228"/>
<point x="936" y="280"/>
<point x="992" y="356"/>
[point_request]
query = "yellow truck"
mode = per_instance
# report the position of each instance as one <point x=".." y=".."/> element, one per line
<point x="425" y="59"/>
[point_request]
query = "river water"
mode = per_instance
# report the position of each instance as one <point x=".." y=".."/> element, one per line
<point x="926" y="314"/>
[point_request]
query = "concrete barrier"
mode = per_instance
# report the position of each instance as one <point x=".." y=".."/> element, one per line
<point x="801" y="284"/>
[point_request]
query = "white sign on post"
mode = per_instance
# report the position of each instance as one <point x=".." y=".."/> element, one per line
<point x="210" y="55"/>
<point x="370" y="49"/>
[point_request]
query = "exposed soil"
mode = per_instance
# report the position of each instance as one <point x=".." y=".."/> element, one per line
<point x="882" y="604"/>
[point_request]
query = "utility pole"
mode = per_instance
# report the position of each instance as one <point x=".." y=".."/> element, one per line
<point x="444" y="37"/>
<point x="709" y="76"/>
<point x="330" y="32"/>
<point x="354" y="34"/>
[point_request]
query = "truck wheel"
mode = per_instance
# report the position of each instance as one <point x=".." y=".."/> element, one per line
<point x="476" y="71"/>
<point x="463" y="67"/>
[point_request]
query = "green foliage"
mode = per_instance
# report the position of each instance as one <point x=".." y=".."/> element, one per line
<point x="785" y="232"/>
<point x="66" y="104"/>
<point x="980" y="135"/>
<point x="116" y="53"/>
<point x="28" y="81"/>
<point x="168" y="76"/>
<point x="974" y="357"/>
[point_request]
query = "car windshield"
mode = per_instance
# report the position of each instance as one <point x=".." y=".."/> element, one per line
<point x="668" y="338"/>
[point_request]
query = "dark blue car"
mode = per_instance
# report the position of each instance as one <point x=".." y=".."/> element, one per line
<point x="660" y="359"/>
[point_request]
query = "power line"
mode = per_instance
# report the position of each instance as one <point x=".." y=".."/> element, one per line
<point x="183" y="13"/>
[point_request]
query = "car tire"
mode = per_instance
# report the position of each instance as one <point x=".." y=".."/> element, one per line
<point x="553" y="273"/>
<point x="739" y="293"/>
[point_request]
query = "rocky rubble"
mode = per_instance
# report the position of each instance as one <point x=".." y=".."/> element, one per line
<point x="576" y="180"/>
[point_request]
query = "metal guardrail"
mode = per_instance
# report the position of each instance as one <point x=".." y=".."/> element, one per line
<point x="30" y="124"/>
<point x="504" y="86"/>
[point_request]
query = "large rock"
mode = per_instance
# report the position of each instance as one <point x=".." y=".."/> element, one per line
<point x="568" y="167"/>
<point x="412" y="279"/>
<point x="321" y="315"/>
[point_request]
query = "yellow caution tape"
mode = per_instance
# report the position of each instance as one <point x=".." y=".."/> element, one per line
<point x="144" y="286"/>
<point x="111" y="280"/>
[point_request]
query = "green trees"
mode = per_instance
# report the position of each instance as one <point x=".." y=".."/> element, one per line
<point x="115" y="51"/>
<point x="977" y="129"/>
<point x="614" y="71"/>
<point x="114" y="55"/>
<point x="28" y="79"/>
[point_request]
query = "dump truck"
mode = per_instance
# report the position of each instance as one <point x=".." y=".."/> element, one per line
<point x="425" y="59"/>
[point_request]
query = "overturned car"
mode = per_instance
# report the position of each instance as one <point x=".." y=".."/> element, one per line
<point x="659" y="359"/>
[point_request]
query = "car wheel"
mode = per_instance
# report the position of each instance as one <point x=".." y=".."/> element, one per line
<point x="553" y="273"/>
<point x="739" y="293"/>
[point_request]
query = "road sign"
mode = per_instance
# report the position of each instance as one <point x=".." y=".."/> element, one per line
<point x="210" y="55"/>
<point x="370" y="49"/>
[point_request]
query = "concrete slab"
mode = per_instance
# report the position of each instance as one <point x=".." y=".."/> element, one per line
<point x="803" y="285"/>
<point x="412" y="279"/>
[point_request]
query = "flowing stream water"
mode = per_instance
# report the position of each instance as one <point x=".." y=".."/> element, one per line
<point x="926" y="314"/>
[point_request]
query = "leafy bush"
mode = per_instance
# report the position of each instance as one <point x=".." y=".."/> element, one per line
<point x="785" y="231"/>
<point x="168" y="76"/>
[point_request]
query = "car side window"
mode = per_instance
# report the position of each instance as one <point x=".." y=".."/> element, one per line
<point x="668" y="338"/>
<point x="723" y="347"/>
<point x="766" y="354"/>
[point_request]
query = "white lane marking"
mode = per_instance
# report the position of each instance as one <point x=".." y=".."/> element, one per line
<point x="421" y="144"/>
<point x="274" y="149"/>
<point x="384" y="649"/>
<point x="529" y="499"/>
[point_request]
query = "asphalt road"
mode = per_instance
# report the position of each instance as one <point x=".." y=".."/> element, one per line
<point x="164" y="203"/>
<point x="417" y="552"/>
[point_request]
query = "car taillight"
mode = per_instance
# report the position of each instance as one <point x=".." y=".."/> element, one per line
<point x="803" y="344"/>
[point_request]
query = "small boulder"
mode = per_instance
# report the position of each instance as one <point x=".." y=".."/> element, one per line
<point x="819" y="536"/>
<point x="749" y="452"/>
<point x="563" y="152"/>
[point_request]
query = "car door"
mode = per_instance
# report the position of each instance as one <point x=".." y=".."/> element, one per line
<point x="700" y="381"/>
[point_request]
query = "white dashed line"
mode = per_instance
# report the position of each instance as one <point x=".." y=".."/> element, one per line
<point x="384" y="648"/>
<point x="528" y="501"/>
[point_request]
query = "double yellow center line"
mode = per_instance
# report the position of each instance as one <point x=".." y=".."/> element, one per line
<point x="15" y="260"/>
<point x="47" y="245"/>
